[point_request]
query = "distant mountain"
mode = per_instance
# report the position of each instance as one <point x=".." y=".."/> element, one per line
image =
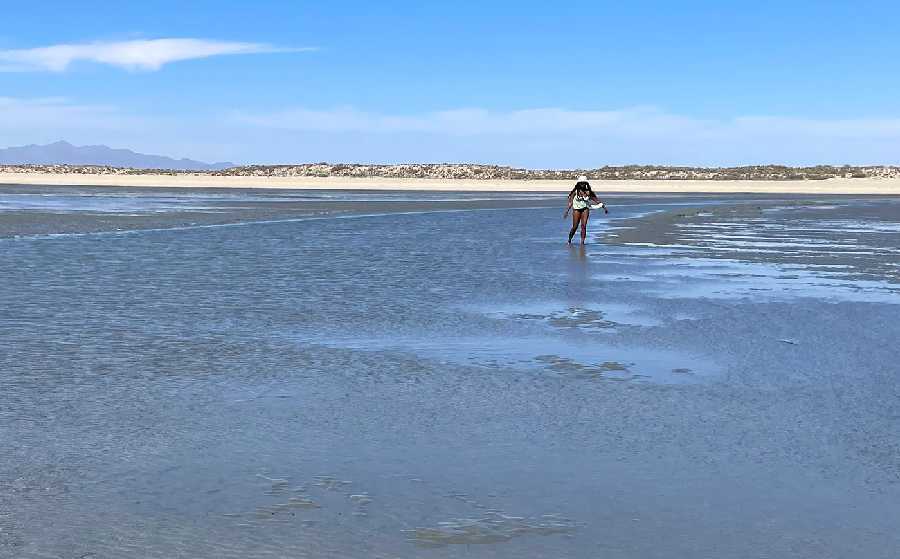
<point x="64" y="153"/>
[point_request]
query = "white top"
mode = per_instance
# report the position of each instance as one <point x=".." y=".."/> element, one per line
<point x="581" y="201"/>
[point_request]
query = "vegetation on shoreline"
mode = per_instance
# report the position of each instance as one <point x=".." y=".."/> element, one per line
<point x="491" y="172"/>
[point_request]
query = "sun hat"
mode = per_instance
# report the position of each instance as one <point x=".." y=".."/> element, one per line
<point x="582" y="178"/>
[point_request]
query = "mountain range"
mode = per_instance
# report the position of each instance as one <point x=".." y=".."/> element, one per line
<point x="64" y="153"/>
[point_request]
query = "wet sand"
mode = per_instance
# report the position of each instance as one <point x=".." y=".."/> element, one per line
<point x="830" y="186"/>
<point x="448" y="383"/>
<point x="838" y="233"/>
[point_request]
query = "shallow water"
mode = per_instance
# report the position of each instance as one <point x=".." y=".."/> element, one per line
<point x="437" y="385"/>
<point x="149" y="200"/>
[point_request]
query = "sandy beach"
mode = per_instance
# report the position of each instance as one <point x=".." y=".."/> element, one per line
<point x="830" y="186"/>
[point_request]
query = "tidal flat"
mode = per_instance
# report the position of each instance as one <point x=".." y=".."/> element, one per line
<point x="249" y="373"/>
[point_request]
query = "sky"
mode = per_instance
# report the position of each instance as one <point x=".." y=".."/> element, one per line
<point x="529" y="83"/>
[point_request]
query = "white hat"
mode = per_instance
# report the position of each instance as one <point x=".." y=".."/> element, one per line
<point x="582" y="178"/>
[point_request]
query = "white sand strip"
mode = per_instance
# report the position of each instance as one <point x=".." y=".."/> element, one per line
<point x="830" y="186"/>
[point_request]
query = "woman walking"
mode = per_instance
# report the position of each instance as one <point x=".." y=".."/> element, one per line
<point x="581" y="200"/>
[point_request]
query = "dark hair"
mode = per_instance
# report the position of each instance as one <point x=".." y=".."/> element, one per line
<point x="583" y="186"/>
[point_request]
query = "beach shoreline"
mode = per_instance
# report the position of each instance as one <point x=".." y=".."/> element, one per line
<point x="828" y="187"/>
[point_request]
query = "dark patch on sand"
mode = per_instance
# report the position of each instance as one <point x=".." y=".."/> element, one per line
<point x="608" y="370"/>
<point x="857" y="236"/>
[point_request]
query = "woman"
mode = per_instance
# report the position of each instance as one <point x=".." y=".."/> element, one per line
<point x="580" y="200"/>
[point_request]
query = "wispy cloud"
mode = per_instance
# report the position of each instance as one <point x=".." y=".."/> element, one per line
<point x="560" y="136"/>
<point x="146" y="54"/>
<point x="541" y="122"/>
<point x="49" y="119"/>
<point x="539" y="137"/>
<point x="44" y="120"/>
<point x="633" y="122"/>
<point x="18" y="115"/>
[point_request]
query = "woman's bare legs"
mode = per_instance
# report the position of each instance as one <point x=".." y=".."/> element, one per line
<point x="576" y="218"/>
<point x="585" y="214"/>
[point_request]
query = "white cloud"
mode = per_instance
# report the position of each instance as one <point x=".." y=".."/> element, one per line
<point x="466" y="121"/>
<point x="556" y="137"/>
<point x="18" y="115"/>
<point x="538" y="122"/>
<point x="628" y="122"/>
<point x="541" y="137"/>
<point x="147" y="54"/>
<point x="45" y="120"/>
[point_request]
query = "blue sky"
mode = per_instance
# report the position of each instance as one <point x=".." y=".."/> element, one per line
<point x="537" y="84"/>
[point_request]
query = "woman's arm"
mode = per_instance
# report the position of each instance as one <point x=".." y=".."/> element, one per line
<point x="569" y="205"/>
<point x="598" y="201"/>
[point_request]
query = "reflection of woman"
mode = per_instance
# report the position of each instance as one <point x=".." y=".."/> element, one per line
<point x="580" y="200"/>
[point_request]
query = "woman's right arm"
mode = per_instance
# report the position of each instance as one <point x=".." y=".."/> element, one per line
<point x="569" y="205"/>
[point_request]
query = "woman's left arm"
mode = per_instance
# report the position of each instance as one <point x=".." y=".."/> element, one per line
<point x="598" y="201"/>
